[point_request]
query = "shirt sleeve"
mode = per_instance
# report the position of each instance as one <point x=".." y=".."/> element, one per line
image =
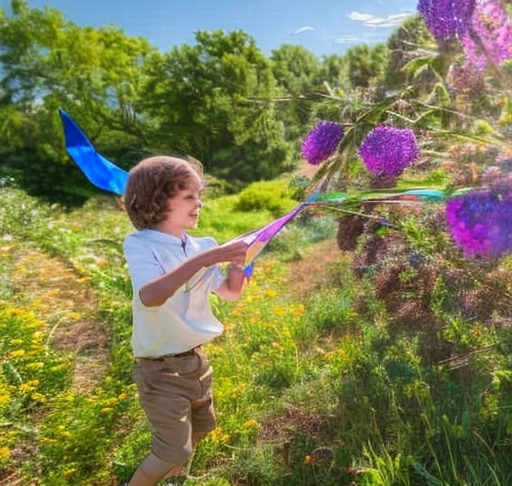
<point x="142" y="263"/>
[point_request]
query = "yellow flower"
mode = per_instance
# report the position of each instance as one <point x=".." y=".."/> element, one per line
<point x="219" y="436"/>
<point x="35" y="366"/>
<point x="38" y="397"/>
<point x="5" y="397"/>
<point x="28" y="386"/>
<point x="5" y="454"/>
<point x="279" y="311"/>
<point x="251" y="424"/>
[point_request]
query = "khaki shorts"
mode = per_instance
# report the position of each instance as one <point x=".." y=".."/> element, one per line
<point x="176" y="396"/>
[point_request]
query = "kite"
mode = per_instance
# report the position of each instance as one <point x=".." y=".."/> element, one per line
<point x="101" y="172"/>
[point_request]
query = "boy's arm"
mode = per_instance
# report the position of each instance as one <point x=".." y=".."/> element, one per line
<point x="233" y="285"/>
<point x="156" y="292"/>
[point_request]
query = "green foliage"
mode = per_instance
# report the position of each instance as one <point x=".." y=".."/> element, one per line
<point x="272" y="196"/>
<point x="366" y="64"/>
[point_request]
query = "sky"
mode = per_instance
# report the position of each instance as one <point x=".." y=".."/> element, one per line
<point x="323" y="27"/>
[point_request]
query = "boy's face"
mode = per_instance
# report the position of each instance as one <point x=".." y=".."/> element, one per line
<point x="184" y="207"/>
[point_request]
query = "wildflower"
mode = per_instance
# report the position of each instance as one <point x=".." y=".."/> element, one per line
<point x="490" y="36"/>
<point x="308" y="459"/>
<point x="446" y="19"/>
<point x="479" y="221"/>
<point x="5" y="454"/>
<point x="388" y="151"/>
<point x="321" y="142"/>
<point x="466" y="78"/>
<point x="250" y="424"/>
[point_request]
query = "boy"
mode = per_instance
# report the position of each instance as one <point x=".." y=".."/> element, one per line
<point x="172" y="274"/>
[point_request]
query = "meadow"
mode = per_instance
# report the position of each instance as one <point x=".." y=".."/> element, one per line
<point x="386" y="364"/>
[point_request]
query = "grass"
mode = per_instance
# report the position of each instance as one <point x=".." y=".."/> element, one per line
<point x="317" y="383"/>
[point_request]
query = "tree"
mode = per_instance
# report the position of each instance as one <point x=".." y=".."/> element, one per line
<point x="214" y="100"/>
<point x="47" y="62"/>
<point x="366" y="64"/>
<point x="297" y="74"/>
<point x="410" y="41"/>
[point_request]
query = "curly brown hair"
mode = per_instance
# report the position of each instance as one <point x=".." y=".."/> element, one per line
<point x="150" y="185"/>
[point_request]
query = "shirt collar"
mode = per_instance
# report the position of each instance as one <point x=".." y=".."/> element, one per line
<point x="166" y="238"/>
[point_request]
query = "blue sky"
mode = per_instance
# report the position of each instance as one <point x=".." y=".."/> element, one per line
<point x="321" y="26"/>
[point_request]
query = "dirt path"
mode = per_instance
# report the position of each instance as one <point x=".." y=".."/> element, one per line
<point x="57" y="296"/>
<point x="309" y="273"/>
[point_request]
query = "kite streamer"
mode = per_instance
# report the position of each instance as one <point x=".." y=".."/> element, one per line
<point x="101" y="172"/>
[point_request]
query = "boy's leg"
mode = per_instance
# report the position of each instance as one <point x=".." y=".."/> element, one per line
<point x="152" y="470"/>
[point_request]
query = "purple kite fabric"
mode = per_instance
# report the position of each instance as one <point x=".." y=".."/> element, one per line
<point x="101" y="172"/>
<point x="257" y="240"/>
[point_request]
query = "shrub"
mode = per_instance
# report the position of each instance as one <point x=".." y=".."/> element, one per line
<point x="273" y="196"/>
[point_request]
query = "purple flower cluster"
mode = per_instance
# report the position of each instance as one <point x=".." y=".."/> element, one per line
<point x="321" y="142"/>
<point x="446" y="19"/>
<point x="490" y="37"/>
<point x="388" y="151"/>
<point x="480" y="221"/>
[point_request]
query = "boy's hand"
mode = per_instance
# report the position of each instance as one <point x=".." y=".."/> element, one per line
<point x="234" y="252"/>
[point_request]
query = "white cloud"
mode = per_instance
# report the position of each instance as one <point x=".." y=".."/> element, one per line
<point x="302" y="29"/>
<point x="369" y="20"/>
<point x="347" y="39"/>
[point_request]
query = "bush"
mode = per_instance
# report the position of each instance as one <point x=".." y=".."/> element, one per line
<point x="273" y="196"/>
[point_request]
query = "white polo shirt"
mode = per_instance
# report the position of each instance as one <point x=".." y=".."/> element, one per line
<point x="185" y="320"/>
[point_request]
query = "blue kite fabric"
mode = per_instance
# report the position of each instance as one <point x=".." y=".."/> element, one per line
<point x="101" y="172"/>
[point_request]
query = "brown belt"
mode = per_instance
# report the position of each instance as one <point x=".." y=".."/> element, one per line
<point x="190" y="352"/>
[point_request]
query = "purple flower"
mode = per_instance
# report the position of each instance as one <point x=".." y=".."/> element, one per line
<point x="480" y="222"/>
<point x="387" y="151"/>
<point x="447" y="18"/>
<point x="321" y="142"/>
<point x="467" y="78"/>
<point x="490" y="37"/>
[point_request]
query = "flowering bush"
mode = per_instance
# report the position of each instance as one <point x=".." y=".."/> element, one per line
<point x="321" y="142"/>
<point x="480" y="222"/>
<point x="447" y="18"/>
<point x="388" y="151"/>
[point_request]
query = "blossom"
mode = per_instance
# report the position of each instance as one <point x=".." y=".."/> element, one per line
<point x="446" y="19"/>
<point x="480" y="223"/>
<point x="321" y="142"/>
<point x="467" y="78"/>
<point x="388" y="151"/>
<point x="490" y="36"/>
